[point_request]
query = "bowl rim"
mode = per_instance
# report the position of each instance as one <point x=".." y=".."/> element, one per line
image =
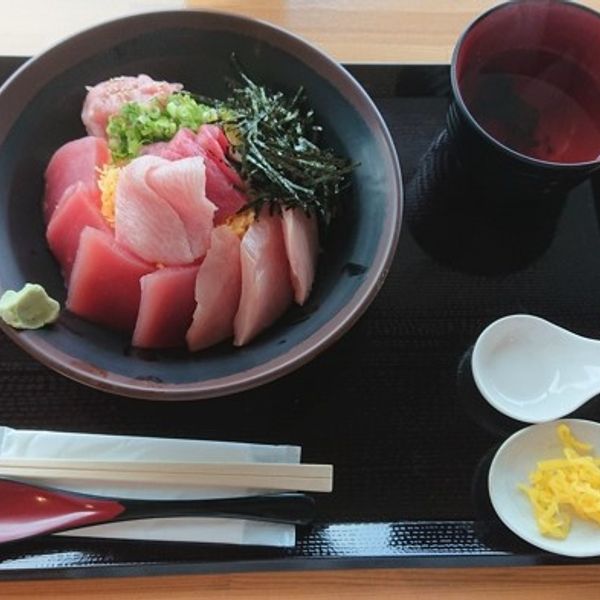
<point x="115" y="383"/>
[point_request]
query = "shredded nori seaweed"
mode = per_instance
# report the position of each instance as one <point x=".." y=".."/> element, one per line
<point x="275" y="137"/>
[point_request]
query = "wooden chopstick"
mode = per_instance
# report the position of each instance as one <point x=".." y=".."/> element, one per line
<point x="275" y="476"/>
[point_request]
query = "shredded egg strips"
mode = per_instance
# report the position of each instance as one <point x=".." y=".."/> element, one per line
<point x="561" y="487"/>
<point x="107" y="182"/>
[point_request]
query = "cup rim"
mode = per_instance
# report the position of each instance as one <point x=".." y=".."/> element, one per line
<point x="458" y="97"/>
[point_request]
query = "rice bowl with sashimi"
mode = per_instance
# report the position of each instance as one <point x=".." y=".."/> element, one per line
<point x="164" y="182"/>
<point x="174" y="222"/>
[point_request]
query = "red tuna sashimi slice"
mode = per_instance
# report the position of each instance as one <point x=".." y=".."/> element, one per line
<point x="208" y="142"/>
<point x="266" y="286"/>
<point x="301" y="237"/>
<point x="223" y="184"/>
<point x="106" y="99"/>
<point x="215" y="143"/>
<point x="182" y="145"/>
<point x="148" y="224"/>
<point x="182" y="183"/>
<point x="76" y="161"/>
<point x="218" y="288"/>
<point x="105" y="281"/>
<point x="75" y="211"/>
<point x="222" y="193"/>
<point x="166" y="307"/>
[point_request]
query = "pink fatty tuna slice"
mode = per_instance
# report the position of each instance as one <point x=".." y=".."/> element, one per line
<point x="76" y="210"/>
<point x="166" y="307"/>
<point x="106" y="99"/>
<point x="161" y="212"/>
<point x="182" y="183"/>
<point x="224" y="186"/>
<point x="76" y="161"/>
<point x="218" y="288"/>
<point x="301" y="237"/>
<point x="105" y="281"/>
<point x="266" y="286"/>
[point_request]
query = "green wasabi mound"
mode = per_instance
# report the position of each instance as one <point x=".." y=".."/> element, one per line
<point x="29" y="308"/>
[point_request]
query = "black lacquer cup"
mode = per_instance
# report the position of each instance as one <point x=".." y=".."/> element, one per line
<point x="522" y="130"/>
<point x="525" y="115"/>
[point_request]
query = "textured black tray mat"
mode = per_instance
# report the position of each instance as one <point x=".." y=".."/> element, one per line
<point x="387" y="405"/>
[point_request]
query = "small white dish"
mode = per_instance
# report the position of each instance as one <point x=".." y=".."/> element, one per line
<point x="512" y="464"/>
<point x="534" y="371"/>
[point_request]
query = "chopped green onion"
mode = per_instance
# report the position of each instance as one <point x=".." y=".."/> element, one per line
<point x="158" y="120"/>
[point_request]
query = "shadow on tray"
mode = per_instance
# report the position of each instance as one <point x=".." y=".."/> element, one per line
<point x="460" y="222"/>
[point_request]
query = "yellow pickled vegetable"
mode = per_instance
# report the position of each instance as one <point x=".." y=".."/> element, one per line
<point x="562" y="487"/>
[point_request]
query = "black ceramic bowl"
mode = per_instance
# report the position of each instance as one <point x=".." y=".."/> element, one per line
<point x="40" y="110"/>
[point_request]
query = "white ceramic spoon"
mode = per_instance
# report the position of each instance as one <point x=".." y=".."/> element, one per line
<point x="512" y="464"/>
<point x="533" y="370"/>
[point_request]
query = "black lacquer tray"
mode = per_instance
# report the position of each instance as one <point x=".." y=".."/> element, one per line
<point x="392" y="405"/>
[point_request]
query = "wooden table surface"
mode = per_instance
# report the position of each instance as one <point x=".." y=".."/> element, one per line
<point x="408" y="31"/>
